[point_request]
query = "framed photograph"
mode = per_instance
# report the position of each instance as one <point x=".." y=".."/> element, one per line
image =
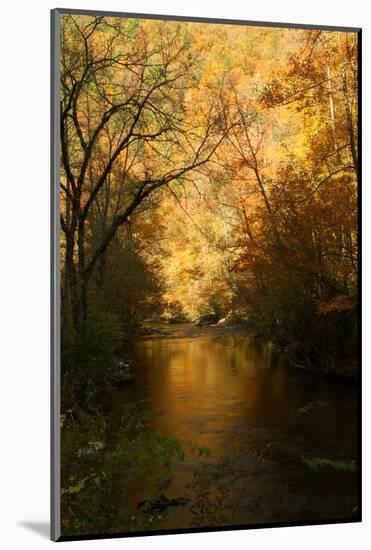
<point x="206" y="183"/>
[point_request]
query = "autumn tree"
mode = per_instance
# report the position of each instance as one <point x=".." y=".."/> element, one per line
<point x="124" y="117"/>
<point x="216" y="168"/>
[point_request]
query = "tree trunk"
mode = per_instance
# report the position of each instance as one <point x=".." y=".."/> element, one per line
<point x="350" y="126"/>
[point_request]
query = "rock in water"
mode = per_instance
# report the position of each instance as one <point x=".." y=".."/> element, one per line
<point x="160" y="503"/>
<point x="122" y="374"/>
<point x="232" y="319"/>
<point x="208" y="319"/>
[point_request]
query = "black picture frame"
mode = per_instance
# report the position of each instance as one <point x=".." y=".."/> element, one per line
<point x="55" y="271"/>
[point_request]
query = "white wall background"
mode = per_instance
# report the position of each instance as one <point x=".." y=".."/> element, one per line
<point x="24" y="271"/>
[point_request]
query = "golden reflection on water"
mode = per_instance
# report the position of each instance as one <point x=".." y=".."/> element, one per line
<point x="231" y="394"/>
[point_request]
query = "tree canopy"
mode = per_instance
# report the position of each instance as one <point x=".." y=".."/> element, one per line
<point x="208" y="167"/>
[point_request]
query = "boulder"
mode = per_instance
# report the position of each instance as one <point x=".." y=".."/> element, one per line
<point x="222" y="322"/>
<point x="125" y="365"/>
<point x="208" y="319"/>
<point x="160" y="503"/>
<point x="232" y="318"/>
<point x="123" y="373"/>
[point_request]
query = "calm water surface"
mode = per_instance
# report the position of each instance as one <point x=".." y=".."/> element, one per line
<point x="221" y="390"/>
